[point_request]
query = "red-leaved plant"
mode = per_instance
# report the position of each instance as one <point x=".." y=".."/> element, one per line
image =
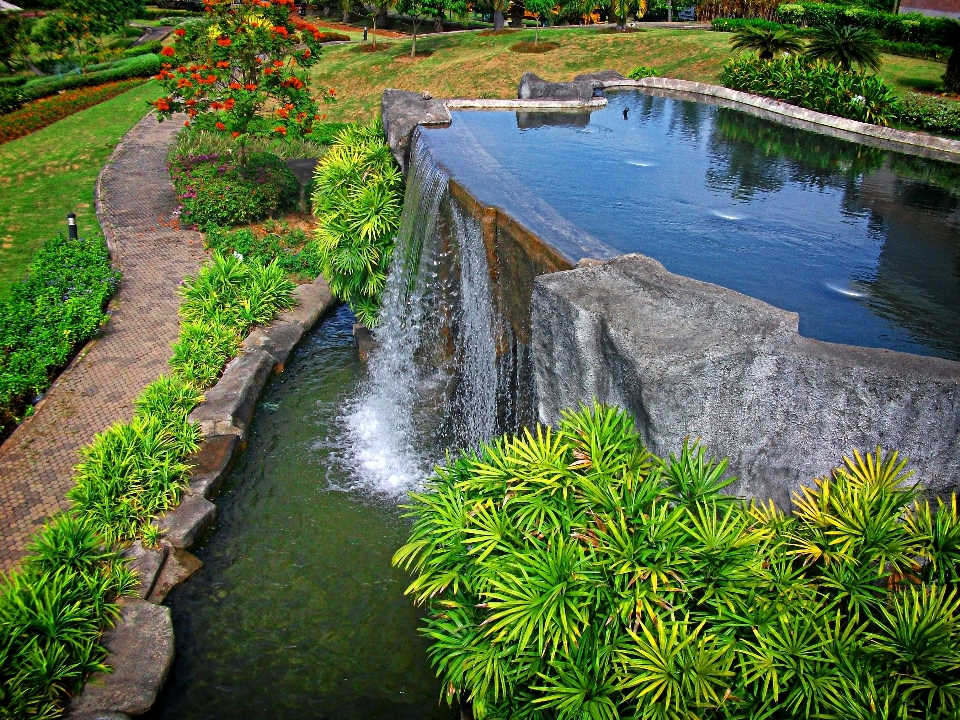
<point x="242" y="71"/>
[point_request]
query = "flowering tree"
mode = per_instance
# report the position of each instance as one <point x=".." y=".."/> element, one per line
<point x="242" y="71"/>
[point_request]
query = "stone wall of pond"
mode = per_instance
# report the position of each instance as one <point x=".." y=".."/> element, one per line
<point x="690" y="358"/>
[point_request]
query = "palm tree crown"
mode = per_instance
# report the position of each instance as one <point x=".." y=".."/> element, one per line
<point x="766" y="42"/>
<point x="846" y="46"/>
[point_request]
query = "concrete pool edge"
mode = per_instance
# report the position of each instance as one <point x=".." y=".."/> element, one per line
<point x="903" y="401"/>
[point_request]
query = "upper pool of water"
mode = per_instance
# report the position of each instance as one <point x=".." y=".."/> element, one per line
<point x="863" y="243"/>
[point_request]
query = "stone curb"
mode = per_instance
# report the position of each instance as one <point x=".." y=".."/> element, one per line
<point x="140" y="648"/>
<point x="906" y="141"/>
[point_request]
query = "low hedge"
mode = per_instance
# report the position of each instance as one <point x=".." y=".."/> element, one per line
<point x="140" y="66"/>
<point x="290" y="248"/>
<point x="816" y="86"/>
<point x="45" y="316"/>
<point x="930" y="113"/>
<point x="15" y="81"/>
<point x="910" y="27"/>
<point x="215" y="191"/>
<point x="54" y="610"/>
<point x="11" y="98"/>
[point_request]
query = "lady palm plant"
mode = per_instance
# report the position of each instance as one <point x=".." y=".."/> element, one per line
<point x="570" y="574"/>
<point x="846" y="46"/>
<point x="357" y="198"/>
<point x="766" y="42"/>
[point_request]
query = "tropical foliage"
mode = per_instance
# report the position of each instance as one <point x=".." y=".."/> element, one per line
<point x="930" y="113"/>
<point x="43" y="318"/>
<point x="817" y="86"/>
<point x="242" y="71"/>
<point x="766" y="42"/>
<point x="846" y="46"/>
<point x="293" y="250"/>
<point x="642" y="71"/>
<point x="571" y="574"/>
<point x="951" y="76"/>
<point x="906" y="27"/>
<point x="357" y="197"/>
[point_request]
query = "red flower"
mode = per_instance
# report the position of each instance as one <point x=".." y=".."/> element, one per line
<point x="191" y="103"/>
<point x="235" y="134"/>
<point x="168" y="51"/>
<point x="235" y="85"/>
<point x="223" y="64"/>
<point x="278" y="63"/>
<point x="332" y="91"/>
<point x="250" y="86"/>
<point x="228" y="105"/>
<point x="220" y="126"/>
<point x="179" y="32"/>
<point x="186" y="123"/>
<point x="162" y="105"/>
<point x="268" y="71"/>
<point x="306" y="53"/>
<point x="323" y="117"/>
<point x="280" y="30"/>
<point x="283" y="112"/>
<point x="280" y="129"/>
<point x="224" y="42"/>
<point x="216" y="105"/>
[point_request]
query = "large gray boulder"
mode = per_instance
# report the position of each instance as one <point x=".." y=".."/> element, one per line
<point x="402" y="111"/>
<point x="691" y="359"/>
<point x="533" y="87"/>
<point x="140" y="651"/>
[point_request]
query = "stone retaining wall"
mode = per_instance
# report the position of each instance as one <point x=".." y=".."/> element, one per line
<point x="141" y="646"/>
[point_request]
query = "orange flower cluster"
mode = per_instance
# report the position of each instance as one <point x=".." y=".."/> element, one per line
<point x="168" y="51"/>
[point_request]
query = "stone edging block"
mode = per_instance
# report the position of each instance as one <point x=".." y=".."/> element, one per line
<point x="140" y="650"/>
<point x="187" y="522"/>
<point x="211" y="464"/>
<point x="179" y="567"/>
<point x="147" y="562"/>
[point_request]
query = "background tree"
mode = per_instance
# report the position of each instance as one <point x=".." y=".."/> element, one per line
<point x="52" y="34"/>
<point x="951" y="76"/>
<point x="102" y="17"/>
<point x="242" y="71"/>
<point x="846" y="46"/>
<point x="417" y="10"/>
<point x="622" y="9"/>
<point x="539" y="8"/>
<point x="11" y="25"/>
<point x="766" y="42"/>
<point x="517" y="10"/>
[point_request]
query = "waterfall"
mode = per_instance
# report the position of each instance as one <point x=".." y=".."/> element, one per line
<point x="436" y="382"/>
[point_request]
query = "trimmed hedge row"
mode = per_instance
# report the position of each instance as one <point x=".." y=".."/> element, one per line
<point x="45" y="316"/>
<point x="910" y="27"/>
<point x="139" y="66"/>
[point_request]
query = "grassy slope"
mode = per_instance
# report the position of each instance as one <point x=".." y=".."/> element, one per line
<point x="51" y="172"/>
<point x="468" y="65"/>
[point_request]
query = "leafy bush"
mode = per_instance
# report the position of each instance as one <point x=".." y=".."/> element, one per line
<point x="930" y="113"/>
<point x="732" y="24"/>
<point x="845" y="47"/>
<point x="196" y="141"/>
<point x="816" y="86"/>
<point x="11" y="98"/>
<point x="215" y="190"/>
<point x="145" y="66"/>
<point x="638" y="73"/>
<point x="45" y="316"/>
<point x="914" y="50"/>
<point x="52" y="614"/>
<point x="909" y="27"/>
<point x="12" y="81"/>
<point x="290" y="248"/>
<point x="357" y="198"/>
<point x="572" y="574"/>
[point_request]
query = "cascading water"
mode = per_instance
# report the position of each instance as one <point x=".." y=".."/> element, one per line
<point x="435" y="380"/>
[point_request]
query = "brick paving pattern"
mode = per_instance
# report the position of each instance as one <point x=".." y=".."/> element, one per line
<point x="98" y="389"/>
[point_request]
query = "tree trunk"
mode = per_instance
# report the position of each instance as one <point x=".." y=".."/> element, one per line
<point x="346" y="17"/>
<point x="413" y="48"/>
<point x="497" y="20"/>
<point x="951" y="76"/>
<point x="517" y="10"/>
<point x="382" y="18"/>
<point x="438" y="24"/>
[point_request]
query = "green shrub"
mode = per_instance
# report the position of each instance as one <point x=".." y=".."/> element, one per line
<point x="52" y="613"/>
<point x="638" y="73"/>
<point x="734" y="24"/>
<point x="930" y="113"/>
<point x="216" y="190"/>
<point x="13" y="81"/>
<point x="914" y="50"/>
<point x="276" y="242"/>
<point x="145" y="66"/>
<point x="357" y="198"/>
<point x="571" y="574"/>
<point x="45" y="316"/>
<point x="816" y="86"/>
<point x="11" y="98"/>
<point x="197" y="141"/>
<point x="148" y="48"/>
<point x="910" y="27"/>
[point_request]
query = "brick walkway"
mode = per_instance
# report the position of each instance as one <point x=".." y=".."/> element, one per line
<point x="99" y="387"/>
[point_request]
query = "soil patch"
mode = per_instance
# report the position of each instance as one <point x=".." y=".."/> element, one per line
<point x="369" y="47"/>
<point x="529" y="47"/>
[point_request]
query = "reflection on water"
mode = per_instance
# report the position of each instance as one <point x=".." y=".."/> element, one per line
<point x="863" y="243"/>
<point x="297" y="612"/>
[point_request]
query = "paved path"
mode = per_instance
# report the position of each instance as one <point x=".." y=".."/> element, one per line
<point x="153" y="33"/>
<point x="99" y="387"/>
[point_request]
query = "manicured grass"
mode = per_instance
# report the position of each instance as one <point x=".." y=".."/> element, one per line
<point x="49" y="173"/>
<point x="468" y="65"/>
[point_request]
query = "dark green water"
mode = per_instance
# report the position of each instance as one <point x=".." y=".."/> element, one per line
<point x="297" y="612"/>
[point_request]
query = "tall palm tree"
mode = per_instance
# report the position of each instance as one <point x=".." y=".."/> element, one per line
<point x="951" y="76"/>
<point x="846" y="46"/>
<point x="766" y="42"/>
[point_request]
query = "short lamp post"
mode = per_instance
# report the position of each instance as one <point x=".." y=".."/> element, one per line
<point x="72" y="226"/>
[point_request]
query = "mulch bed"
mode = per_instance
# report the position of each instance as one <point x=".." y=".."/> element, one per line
<point x="529" y="47"/>
<point x="351" y="28"/>
<point x="369" y="47"/>
<point x="46" y="111"/>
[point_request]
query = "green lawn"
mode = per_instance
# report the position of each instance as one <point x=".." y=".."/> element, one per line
<point x="468" y="65"/>
<point x="51" y="172"/>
